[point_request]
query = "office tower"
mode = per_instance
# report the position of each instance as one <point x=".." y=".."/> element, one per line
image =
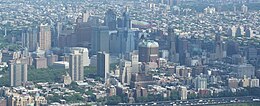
<point x="183" y="93"/>
<point x="245" y="70"/>
<point x="110" y="19"/>
<point x="244" y="8"/>
<point x="85" y="16"/>
<point x="45" y="37"/>
<point x="17" y="73"/>
<point x="172" y="50"/>
<point x="84" y="52"/>
<point x="126" y="19"/>
<point x="148" y="51"/>
<point x="103" y="65"/>
<point x="182" y="50"/>
<point x="83" y="33"/>
<point x="200" y="83"/>
<point x="76" y="68"/>
<point x="122" y="41"/>
<point x="100" y="39"/>
<point x="56" y="32"/>
<point x="219" y="47"/>
<point x="233" y="83"/>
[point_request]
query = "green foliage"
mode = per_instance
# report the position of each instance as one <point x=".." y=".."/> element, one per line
<point x="70" y="99"/>
<point x="75" y="87"/>
<point x="4" y="81"/>
<point x="45" y="75"/>
<point x="192" y="96"/>
<point x="54" y="98"/>
<point x="89" y="70"/>
<point x="74" y="98"/>
<point x="113" y="100"/>
<point x="174" y="95"/>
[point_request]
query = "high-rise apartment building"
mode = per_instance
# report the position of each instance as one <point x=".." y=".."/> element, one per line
<point x="17" y="73"/>
<point x="76" y="68"/>
<point x="45" y="37"/>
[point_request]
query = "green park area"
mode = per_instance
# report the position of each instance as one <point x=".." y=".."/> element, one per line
<point x="44" y="75"/>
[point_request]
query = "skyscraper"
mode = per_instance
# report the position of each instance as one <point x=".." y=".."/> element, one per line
<point x="100" y="39"/>
<point x="45" y="37"/>
<point x="126" y="19"/>
<point x="172" y="38"/>
<point x="110" y="19"/>
<point x="76" y="68"/>
<point x="17" y="73"/>
<point x="103" y="64"/>
<point x="219" y="47"/>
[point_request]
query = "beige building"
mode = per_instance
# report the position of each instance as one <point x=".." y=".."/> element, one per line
<point x="233" y="83"/>
<point x="76" y="67"/>
<point x="183" y="93"/>
<point x="40" y="62"/>
<point x="245" y="82"/>
<point x="45" y="37"/>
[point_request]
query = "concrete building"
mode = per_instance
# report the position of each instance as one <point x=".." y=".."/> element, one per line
<point x="233" y="83"/>
<point x="84" y="52"/>
<point x="148" y="51"/>
<point x="200" y="83"/>
<point x="110" y="20"/>
<point x="40" y="62"/>
<point x="85" y="16"/>
<point x="183" y="93"/>
<point x="103" y="64"/>
<point x="182" y="71"/>
<point x="254" y="82"/>
<point x="100" y="39"/>
<point x="30" y="38"/>
<point x="76" y="68"/>
<point x="247" y="70"/>
<point x="61" y="65"/>
<point x="45" y="37"/>
<point x="245" y="82"/>
<point x="17" y="73"/>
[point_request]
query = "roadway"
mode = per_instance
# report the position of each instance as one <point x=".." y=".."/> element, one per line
<point x="196" y="102"/>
